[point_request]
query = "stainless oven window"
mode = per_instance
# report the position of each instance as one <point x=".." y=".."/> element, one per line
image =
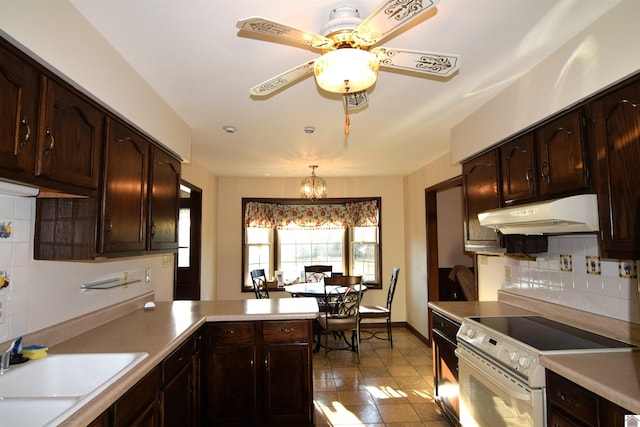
<point x="490" y="396"/>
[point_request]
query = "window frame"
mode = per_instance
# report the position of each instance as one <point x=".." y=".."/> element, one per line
<point x="328" y="201"/>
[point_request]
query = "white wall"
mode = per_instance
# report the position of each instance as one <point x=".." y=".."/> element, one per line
<point x="415" y="273"/>
<point x="229" y="242"/>
<point x="604" y="53"/>
<point x="450" y="230"/>
<point x="56" y="32"/>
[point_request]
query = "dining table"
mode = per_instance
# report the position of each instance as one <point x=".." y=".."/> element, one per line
<point x="316" y="289"/>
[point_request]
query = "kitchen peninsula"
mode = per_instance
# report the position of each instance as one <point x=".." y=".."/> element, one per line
<point x="280" y="329"/>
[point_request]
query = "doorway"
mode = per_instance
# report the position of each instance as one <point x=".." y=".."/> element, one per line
<point x="445" y="244"/>
<point x="187" y="285"/>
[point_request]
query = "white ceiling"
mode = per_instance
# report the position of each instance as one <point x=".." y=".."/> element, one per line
<point x="191" y="53"/>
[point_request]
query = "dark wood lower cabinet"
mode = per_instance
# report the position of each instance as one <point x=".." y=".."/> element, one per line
<point x="139" y="406"/>
<point x="445" y="366"/>
<point x="258" y="373"/>
<point x="570" y="405"/>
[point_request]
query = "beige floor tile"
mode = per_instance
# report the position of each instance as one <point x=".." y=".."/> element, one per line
<point x="402" y="412"/>
<point x="390" y="387"/>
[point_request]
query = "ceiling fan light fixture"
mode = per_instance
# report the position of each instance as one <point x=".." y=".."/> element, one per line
<point x="346" y="70"/>
<point x="313" y="187"/>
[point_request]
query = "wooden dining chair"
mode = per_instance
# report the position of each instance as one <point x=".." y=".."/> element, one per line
<point x="343" y="313"/>
<point x="379" y="312"/>
<point x="260" y="285"/>
<point x="315" y="273"/>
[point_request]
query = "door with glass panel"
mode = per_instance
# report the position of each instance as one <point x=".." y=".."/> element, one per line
<point x="187" y="285"/>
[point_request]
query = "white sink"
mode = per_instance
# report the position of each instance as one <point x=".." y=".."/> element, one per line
<point x="47" y="391"/>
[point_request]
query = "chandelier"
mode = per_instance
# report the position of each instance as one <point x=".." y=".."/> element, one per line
<point x="346" y="70"/>
<point x="313" y="187"/>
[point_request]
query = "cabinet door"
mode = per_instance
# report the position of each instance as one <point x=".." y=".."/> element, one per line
<point x="563" y="156"/>
<point x="139" y="405"/>
<point x="617" y="119"/>
<point x="287" y="388"/>
<point x="177" y="396"/>
<point x="481" y="193"/>
<point x="287" y="383"/>
<point x="18" y="107"/>
<point x="231" y="383"/>
<point x="124" y="212"/>
<point x="165" y="200"/>
<point x="230" y="374"/>
<point x="517" y="160"/>
<point x="70" y="137"/>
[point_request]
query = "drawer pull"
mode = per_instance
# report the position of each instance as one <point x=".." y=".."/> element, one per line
<point x="229" y="331"/>
<point x="569" y="399"/>
<point x="52" y="142"/>
<point x="25" y="123"/>
<point x="287" y="330"/>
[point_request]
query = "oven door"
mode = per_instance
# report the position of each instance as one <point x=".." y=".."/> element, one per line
<point x="490" y="396"/>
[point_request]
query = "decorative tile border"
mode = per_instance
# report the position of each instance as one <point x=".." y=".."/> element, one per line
<point x="627" y="269"/>
<point x="593" y="265"/>
<point x="5" y="230"/>
<point x="566" y="262"/>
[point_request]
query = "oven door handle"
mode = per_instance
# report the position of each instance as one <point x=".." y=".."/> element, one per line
<point x="509" y="391"/>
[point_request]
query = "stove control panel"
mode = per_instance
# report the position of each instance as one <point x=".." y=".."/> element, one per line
<point x="508" y="352"/>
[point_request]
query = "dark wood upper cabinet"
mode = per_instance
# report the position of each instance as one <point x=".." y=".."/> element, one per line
<point x="18" y="115"/>
<point x="164" y="205"/>
<point x="124" y="210"/>
<point x="518" y="166"/>
<point x="563" y="156"/>
<point x="547" y="162"/>
<point x="69" y="138"/>
<point x="617" y="139"/>
<point x="481" y="192"/>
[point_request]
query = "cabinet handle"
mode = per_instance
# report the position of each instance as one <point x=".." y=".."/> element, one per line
<point x="569" y="399"/>
<point x="153" y="231"/>
<point x="287" y="330"/>
<point x="108" y="226"/>
<point x="52" y="142"/>
<point x="544" y="172"/>
<point x="251" y="363"/>
<point x="527" y="176"/>
<point x="24" y="122"/>
<point x="266" y="362"/>
<point x="229" y="332"/>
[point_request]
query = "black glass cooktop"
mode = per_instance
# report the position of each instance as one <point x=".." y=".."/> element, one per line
<point x="547" y="335"/>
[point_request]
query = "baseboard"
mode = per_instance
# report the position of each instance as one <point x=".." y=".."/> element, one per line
<point x="415" y="332"/>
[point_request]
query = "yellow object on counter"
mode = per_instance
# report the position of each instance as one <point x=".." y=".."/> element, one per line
<point x="34" y="352"/>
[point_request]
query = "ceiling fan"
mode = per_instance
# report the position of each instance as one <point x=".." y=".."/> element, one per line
<point x="349" y="64"/>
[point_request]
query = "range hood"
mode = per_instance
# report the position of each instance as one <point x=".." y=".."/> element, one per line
<point x="574" y="214"/>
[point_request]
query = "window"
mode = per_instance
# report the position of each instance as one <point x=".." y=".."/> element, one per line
<point x="259" y="250"/>
<point x="282" y="235"/>
<point x="300" y="246"/>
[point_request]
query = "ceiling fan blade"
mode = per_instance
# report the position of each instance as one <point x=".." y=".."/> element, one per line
<point x="437" y="64"/>
<point x="257" y="24"/>
<point x="282" y="80"/>
<point x="388" y="17"/>
<point x="356" y="100"/>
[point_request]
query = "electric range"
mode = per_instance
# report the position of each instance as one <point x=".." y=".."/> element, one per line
<point x="516" y="342"/>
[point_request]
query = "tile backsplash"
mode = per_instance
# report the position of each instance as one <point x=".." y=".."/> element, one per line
<point x="16" y="214"/>
<point x="572" y="274"/>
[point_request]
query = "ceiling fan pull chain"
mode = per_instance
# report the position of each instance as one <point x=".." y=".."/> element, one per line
<point x="347" y="122"/>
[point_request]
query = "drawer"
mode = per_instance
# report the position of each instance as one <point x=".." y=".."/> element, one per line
<point x="445" y="326"/>
<point x="177" y="359"/>
<point x="231" y="333"/>
<point x="137" y="400"/>
<point x="572" y="398"/>
<point x="285" y="331"/>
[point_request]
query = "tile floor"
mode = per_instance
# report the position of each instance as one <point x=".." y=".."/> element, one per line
<point x="390" y="387"/>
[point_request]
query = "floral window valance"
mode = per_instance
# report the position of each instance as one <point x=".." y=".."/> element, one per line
<point x="275" y="215"/>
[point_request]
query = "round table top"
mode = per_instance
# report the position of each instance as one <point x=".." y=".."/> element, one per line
<point x="314" y="289"/>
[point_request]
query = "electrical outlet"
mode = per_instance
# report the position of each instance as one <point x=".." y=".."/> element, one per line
<point x="125" y="276"/>
<point x="507" y="273"/>
<point x="165" y="261"/>
<point x="483" y="259"/>
<point x="147" y="275"/>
